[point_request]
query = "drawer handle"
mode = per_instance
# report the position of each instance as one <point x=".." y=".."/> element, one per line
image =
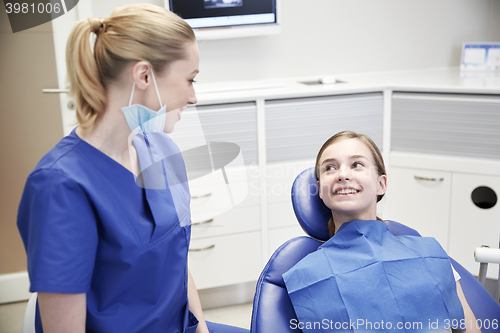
<point x="55" y="91"/>
<point x="202" y="249"/>
<point x="201" y="196"/>
<point x="427" y="179"/>
<point x="203" y="222"/>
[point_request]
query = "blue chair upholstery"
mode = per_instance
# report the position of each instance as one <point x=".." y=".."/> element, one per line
<point x="272" y="308"/>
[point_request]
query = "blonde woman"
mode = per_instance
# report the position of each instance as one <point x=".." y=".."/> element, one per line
<point x="104" y="254"/>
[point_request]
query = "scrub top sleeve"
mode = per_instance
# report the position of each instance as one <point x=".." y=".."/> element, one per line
<point x="59" y="229"/>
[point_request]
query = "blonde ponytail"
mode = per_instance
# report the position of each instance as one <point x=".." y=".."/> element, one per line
<point x="132" y="33"/>
<point x="85" y="85"/>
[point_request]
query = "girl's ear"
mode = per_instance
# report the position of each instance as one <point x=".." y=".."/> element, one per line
<point x="319" y="190"/>
<point x="141" y="73"/>
<point x="382" y="184"/>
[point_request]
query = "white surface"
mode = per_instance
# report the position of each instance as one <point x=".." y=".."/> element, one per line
<point x="221" y="264"/>
<point x="434" y="80"/>
<point x="14" y="287"/>
<point x="204" y="88"/>
<point x="423" y="205"/>
<point x="445" y="163"/>
<point x="489" y="255"/>
<point x="471" y="226"/>
<point x="29" y="315"/>
<point x="336" y="37"/>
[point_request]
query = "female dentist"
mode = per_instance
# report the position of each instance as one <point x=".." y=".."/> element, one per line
<point x="104" y="254"/>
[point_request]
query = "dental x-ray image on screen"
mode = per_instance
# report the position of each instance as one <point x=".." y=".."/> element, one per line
<point x="200" y="14"/>
<point x="222" y="3"/>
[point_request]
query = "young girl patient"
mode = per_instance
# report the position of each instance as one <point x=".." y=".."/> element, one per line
<point x="364" y="279"/>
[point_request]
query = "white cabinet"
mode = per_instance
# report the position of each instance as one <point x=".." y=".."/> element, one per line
<point x="225" y="260"/>
<point x="451" y="141"/>
<point x="440" y="204"/>
<point x="226" y="242"/>
<point x="420" y="199"/>
<point x="470" y="225"/>
<point x="446" y="136"/>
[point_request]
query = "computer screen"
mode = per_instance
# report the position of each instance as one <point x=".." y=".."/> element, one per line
<point x="207" y="14"/>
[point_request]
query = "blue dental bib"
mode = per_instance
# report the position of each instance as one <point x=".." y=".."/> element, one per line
<point x="364" y="279"/>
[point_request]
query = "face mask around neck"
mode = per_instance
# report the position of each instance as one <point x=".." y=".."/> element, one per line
<point x="147" y="120"/>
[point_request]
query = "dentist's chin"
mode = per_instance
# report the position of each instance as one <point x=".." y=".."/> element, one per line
<point x="180" y="111"/>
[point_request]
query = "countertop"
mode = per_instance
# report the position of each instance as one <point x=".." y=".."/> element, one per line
<point x="436" y="80"/>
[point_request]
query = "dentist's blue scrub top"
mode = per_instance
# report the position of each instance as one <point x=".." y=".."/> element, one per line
<point x="88" y="228"/>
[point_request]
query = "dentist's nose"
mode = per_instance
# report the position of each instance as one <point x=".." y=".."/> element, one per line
<point x="192" y="97"/>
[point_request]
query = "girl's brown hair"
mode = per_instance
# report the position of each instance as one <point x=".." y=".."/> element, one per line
<point x="132" y="33"/>
<point x="377" y="156"/>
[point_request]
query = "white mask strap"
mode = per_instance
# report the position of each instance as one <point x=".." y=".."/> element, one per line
<point x="156" y="87"/>
<point x="131" y="95"/>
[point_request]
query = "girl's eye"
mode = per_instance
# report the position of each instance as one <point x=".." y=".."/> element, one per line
<point x="192" y="81"/>
<point x="357" y="164"/>
<point x="330" y="168"/>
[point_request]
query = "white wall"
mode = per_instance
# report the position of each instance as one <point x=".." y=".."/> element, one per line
<point x="348" y="36"/>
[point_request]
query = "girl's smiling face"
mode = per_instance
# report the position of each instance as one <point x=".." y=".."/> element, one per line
<point x="349" y="181"/>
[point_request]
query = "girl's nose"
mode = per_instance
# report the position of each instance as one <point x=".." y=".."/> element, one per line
<point x="344" y="173"/>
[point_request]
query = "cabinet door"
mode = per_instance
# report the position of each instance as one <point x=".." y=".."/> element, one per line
<point x="420" y="199"/>
<point x="225" y="260"/>
<point x="472" y="226"/>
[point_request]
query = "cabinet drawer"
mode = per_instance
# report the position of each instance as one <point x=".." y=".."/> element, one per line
<point x="226" y="260"/>
<point x="465" y="125"/>
<point x="240" y="219"/>
<point x="472" y="226"/>
<point x="420" y="199"/>
<point x="232" y="122"/>
<point x="211" y="195"/>
<point x="296" y="128"/>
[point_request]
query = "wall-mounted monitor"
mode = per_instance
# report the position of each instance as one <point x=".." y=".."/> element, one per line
<point x="217" y="19"/>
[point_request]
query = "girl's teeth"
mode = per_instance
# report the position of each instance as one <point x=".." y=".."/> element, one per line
<point x="347" y="191"/>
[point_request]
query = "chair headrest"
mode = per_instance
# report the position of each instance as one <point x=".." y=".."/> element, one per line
<point x="310" y="210"/>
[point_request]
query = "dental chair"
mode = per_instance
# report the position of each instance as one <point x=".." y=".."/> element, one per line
<point x="272" y="308"/>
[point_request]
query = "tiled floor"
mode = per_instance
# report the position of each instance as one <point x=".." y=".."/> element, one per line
<point x="11" y="316"/>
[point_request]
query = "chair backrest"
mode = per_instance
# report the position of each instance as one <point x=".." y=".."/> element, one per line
<point x="272" y="308"/>
<point x="29" y="315"/>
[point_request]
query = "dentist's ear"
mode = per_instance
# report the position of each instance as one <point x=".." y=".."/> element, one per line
<point x="141" y="74"/>
<point x="382" y="184"/>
